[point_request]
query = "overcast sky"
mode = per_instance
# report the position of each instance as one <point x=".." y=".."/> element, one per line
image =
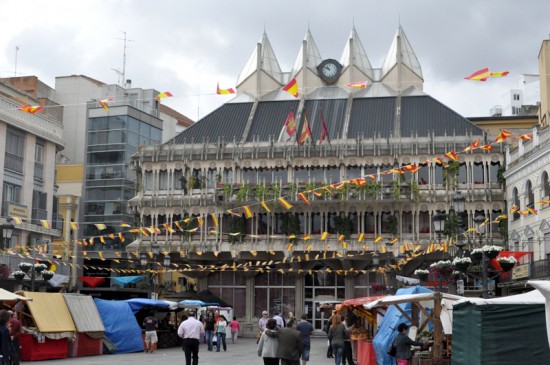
<point x="186" y="47"/>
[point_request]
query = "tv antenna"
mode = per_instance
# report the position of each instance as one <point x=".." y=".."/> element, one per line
<point x="16" y="52"/>
<point x="122" y="74"/>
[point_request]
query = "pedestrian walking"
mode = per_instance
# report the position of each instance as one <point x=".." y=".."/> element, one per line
<point x="14" y="326"/>
<point x="305" y="328"/>
<point x="151" y="324"/>
<point x="280" y="321"/>
<point x="290" y="344"/>
<point x="191" y="330"/>
<point x="221" y="326"/>
<point x="5" y="338"/>
<point x="268" y="346"/>
<point x="235" y="327"/>
<point x="336" y="337"/>
<point x="262" y="322"/>
<point x="209" y="325"/>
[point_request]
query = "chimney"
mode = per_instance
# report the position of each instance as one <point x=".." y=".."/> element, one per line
<point x="128" y="83"/>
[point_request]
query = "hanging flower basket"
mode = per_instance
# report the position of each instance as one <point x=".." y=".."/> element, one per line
<point x="507" y="266"/>
<point x="24" y="266"/>
<point x="40" y="267"/>
<point x="507" y="263"/>
<point x="491" y="251"/>
<point x="462" y="263"/>
<point x="421" y="274"/>
<point x="476" y="255"/>
<point x="19" y="275"/>
<point x="47" y="275"/>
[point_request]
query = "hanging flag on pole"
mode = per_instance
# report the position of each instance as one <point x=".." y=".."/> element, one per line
<point x="481" y="75"/>
<point x="292" y="88"/>
<point x="224" y="91"/>
<point x="306" y="130"/>
<point x="290" y="124"/>
<point x="324" y="130"/>
<point x="165" y="94"/>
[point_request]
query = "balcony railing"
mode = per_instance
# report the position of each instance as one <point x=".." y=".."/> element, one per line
<point x="38" y="215"/>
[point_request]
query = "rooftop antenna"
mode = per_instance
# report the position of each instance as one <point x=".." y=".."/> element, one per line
<point x="15" y="70"/>
<point x="122" y="74"/>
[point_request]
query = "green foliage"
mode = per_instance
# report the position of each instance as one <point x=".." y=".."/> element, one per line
<point x="372" y="189"/>
<point x="396" y="189"/>
<point x="503" y="229"/>
<point x="392" y="224"/>
<point x="343" y="225"/>
<point x="275" y="191"/>
<point x="500" y="174"/>
<point x="227" y="192"/>
<point x="236" y="225"/>
<point x="292" y="188"/>
<point x="242" y="193"/>
<point x="260" y="192"/>
<point x="451" y="225"/>
<point x="450" y="175"/>
<point x="414" y="190"/>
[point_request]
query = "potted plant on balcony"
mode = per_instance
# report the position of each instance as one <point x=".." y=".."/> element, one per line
<point x="507" y="263"/>
<point x="47" y="275"/>
<point x="443" y="268"/>
<point x="19" y="275"/>
<point x="491" y="251"/>
<point x="476" y="255"/>
<point x="25" y="266"/>
<point x="462" y="263"/>
<point x="421" y="274"/>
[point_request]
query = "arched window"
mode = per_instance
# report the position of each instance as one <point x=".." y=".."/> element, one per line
<point x="530" y="194"/>
<point x="516" y="204"/>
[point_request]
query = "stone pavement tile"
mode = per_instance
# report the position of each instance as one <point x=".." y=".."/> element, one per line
<point x="243" y="352"/>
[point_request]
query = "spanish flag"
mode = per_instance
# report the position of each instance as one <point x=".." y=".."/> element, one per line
<point x="306" y="131"/>
<point x="104" y="103"/>
<point x="45" y="223"/>
<point x="344" y="244"/>
<point x="122" y="224"/>
<point x="341" y="237"/>
<point x="100" y="226"/>
<point x="487" y="147"/>
<point x="452" y="155"/>
<point x="525" y="137"/>
<point x="214" y="219"/>
<point x="378" y="239"/>
<point x="358" y="85"/>
<point x="224" y="91"/>
<point x="361" y="237"/>
<point x="473" y="146"/>
<point x="179" y="226"/>
<point x="393" y="241"/>
<point x="264" y="205"/>
<point x="504" y="134"/>
<point x="284" y="203"/>
<point x="303" y="197"/>
<point x="532" y="211"/>
<point x="17" y="220"/>
<point x="247" y="212"/>
<point x="120" y="237"/>
<point x="324" y="236"/>
<point x="292" y="88"/>
<point x="290" y="124"/>
<point x="199" y="220"/>
<point x="500" y="73"/>
<point x="514" y="209"/>
<point x="165" y="94"/>
<point x="481" y="75"/>
<point x="30" y="108"/>
<point x="307" y="237"/>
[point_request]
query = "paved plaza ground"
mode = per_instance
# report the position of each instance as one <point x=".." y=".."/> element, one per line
<point x="243" y="352"/>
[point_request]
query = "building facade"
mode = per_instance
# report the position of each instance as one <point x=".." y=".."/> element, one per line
<point x="241" y="155"/>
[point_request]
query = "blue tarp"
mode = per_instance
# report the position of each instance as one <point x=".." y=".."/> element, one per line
<point x="125" y="280"/>
<point x="136" y="304"/>
<point x="121" y="326"/>
<point x="388" y="328"/>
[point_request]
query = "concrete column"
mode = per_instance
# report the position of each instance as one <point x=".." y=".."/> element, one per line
<point x="349" y="286"/>
<point x="299" y="296"/>
<point x="250" y="293"/>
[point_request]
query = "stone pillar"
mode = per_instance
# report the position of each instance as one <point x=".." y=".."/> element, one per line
<point x="250" y="293"/>
<point x="298" y="296"/>
<point x="349" y="286"/>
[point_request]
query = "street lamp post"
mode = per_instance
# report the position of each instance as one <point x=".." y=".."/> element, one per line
<point x="7" y="232"/>
<point x="168" y="277"/>
<point x="439" y="226"/>
<point x="479" y="219"/>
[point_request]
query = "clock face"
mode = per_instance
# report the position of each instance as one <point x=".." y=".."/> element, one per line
<point x="329" y="70"/>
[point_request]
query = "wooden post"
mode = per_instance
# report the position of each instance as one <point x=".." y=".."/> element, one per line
<point x="438" y="328"/>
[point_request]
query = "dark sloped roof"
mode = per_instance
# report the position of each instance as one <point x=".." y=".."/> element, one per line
<point x="269" y="119"/>
<point x="371" y="116"/>
<point x="423" y="114"/>
<point x="228" y="122"/>
<point x="334" y="111"/>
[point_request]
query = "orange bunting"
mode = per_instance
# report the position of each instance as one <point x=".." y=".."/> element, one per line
<point x="487" y="147"/>
<point x="525" y="137"/>
<point x="378" y="239"/>
<point x="125" y="225"/>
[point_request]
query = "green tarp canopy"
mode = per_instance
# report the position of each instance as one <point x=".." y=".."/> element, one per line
<point x="503" y="331"/>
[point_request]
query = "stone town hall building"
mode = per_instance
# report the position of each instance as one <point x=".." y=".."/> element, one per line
<point x="240" y="155"/>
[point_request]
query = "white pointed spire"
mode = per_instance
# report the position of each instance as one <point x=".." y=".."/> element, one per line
<point x="268" y="62"/>
<point x="354" y="54"/>
<point x="312" y="56"/>
<point x="401" y="51"/>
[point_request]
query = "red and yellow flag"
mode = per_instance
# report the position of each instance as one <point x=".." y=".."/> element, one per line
<point x="358" y="85"/>
<point x="378" y="239"/>
<point x="324" y="236"/>
<point x="247" y="212"/>
<point x="361" y="237"/>
<point x="199" y="220"/>
<point x="341" y="237"/>
<point x="17" y="220"/>
<point x="264" y="205"/>
<point x="285" y="203"/>
<point x="224" y="91"/>
<point x="45" y="223"/>
<point x="500" y="73"/>
<point x="532" y="211"/>
<point x="165" y="94"/>
<point x="100" y="226"/>
<point x="344" y="244"/>
<point x="74" y="226"/>
<point x="214" y="219"/>
<point x="292" y="88"/>
<point x="32" y="109"/>
<point x="306" y="131"/>
<point x="503" y="136"/>
<point x="105" y="103"/>
<point x="307" y="237"/>
<point x="290" y="124"/>
<point x="125" y="225"/>
<point x="525" y="137"/>
<point x="179" y="226"/>
<point x="487" y="147"/>
<point x="481" y="75"/>
<point x="473" y="146"/>
<point x="451" y="155"/>
<point x="303" y="197"/>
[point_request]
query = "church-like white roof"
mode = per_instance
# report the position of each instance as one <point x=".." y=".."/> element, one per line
<point x="313" y="57"/>
<point x="401" y="45"/>
<point x="355" y="54"/>
<point x="268" y="62"/>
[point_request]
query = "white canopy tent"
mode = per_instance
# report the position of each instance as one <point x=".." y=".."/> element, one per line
<point x="544" y="292"/>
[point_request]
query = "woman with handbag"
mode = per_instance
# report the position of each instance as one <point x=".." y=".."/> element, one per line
<point x="403" y="345"/>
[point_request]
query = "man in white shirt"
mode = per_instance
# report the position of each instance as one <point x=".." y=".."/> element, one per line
<point x="191" y="330"/>
<point x="280" y="320"/>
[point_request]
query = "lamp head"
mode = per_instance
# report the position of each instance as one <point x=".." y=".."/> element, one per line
<point x="375" y="259"/>
<point x="479" y="219"/>
<point x="439" y="222"/>
<point x="459" y="202"/>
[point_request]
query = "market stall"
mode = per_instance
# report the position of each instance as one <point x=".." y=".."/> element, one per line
<point x="121" y="328"/>
<point x="89" y="326"/>
<point x="47" y="327"/>
<point x="364" y="328"/>
<point x="504" y="331"/>
<point x="430" y="312"/>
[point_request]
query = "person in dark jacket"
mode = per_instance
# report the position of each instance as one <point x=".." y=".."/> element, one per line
<point x="5" y="338"/>
<point x="290" y="343"/>
<point x="403" y="345"/>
